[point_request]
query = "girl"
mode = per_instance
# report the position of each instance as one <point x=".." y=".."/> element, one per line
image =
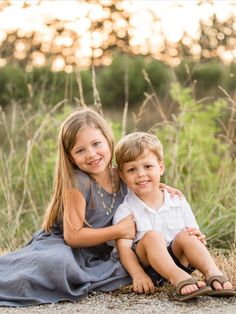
<point x="71" y="256"/>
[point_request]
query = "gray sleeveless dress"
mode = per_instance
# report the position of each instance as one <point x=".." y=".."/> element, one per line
<point x="47" y="270"/>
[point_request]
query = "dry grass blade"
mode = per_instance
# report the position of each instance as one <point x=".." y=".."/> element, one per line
<point x="125" y="111"/>
<point x="80" y="86"/>
<point x="6" y="129"/>
<point x="7" y="188"/>
<point x="97" y="101"/>
<point x="156" y="103"/>
<point x="232" y="120"/>
<point x="19" y="211"/>
<point x="139" y="116"/>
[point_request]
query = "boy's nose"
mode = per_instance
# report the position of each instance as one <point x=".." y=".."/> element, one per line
<point x="140" y="172"/>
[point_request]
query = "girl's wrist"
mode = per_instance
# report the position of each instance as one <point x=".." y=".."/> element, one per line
<point x="117" y="232"/>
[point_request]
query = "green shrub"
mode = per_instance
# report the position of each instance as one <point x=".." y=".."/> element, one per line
<point x="13" y="86"/>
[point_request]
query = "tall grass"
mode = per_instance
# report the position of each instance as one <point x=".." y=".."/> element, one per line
<point x="198" y="142"/>
<point x="27" y="157"/>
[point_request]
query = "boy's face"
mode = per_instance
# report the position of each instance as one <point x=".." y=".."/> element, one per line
<point x="142" y="175"/>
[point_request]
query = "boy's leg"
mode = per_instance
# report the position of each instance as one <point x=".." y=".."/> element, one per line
<point x="189" y="250"/>
<point x="152" y="250"/>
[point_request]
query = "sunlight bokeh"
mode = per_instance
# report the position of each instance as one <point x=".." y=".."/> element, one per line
<point x="77" y="38"/>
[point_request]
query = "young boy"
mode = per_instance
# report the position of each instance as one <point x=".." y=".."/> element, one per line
<point x="167" y="238"/>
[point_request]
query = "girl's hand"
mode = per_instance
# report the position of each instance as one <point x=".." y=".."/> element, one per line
<point x="127" y="227"/>
<point x="142" y="283"/>
<point x="171" y="190"/>
<point x="194" y="231"/>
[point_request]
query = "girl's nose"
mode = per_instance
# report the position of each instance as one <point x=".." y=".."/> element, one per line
<point x="90" y="152"/>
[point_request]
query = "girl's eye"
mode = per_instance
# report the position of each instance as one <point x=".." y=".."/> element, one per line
<point x="79" y="151"/>
<point x="97" y="143"/>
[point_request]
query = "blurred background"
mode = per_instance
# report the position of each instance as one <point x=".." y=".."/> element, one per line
<point x="46" y="41"/>
<point x="166" y="67"/>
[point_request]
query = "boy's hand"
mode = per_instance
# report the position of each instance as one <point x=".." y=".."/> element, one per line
<point x="194" y="231"/>
<point x="171" y="190"/>
<point x="142" y="283"/>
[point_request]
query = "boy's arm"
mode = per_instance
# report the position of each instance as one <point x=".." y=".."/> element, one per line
<point x="142" y="283"/>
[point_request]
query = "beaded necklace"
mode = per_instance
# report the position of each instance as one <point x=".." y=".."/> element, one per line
<point x="108" y="208"/>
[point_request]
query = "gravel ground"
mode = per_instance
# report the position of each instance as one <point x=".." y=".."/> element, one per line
<point x="105" y="303"/>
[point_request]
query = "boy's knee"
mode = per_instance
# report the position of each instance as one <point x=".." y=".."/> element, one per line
<point x="152" y="235"/>
<point x="182" y="236"/>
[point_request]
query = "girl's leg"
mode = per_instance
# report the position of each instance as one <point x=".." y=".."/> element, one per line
<point x="189" y="250"/>
<point x="152" y="250"/>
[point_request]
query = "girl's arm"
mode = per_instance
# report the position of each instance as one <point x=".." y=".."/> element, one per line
<point x="76" y="235"/>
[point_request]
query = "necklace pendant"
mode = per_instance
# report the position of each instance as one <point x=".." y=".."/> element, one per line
<point x="108" y="209"/>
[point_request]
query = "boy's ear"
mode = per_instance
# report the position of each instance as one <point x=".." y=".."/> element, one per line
<point x="120" y="174"/>
<point x="162" y="167"/>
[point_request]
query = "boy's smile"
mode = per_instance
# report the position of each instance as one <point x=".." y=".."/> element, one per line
<point x="142" y="175"/>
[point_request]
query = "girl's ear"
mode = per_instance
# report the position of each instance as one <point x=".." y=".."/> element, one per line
<point x="162" y="167"/>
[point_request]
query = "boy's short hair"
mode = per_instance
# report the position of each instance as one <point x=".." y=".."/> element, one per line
<point x="134" y="144"/>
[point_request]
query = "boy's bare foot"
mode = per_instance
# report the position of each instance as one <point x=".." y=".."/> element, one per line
<point x="216" y="284"/>
<point x="188" y="283"/>
<point x="189" y="288"/>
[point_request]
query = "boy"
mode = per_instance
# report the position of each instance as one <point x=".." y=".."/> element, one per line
<point x="167" y="237"/>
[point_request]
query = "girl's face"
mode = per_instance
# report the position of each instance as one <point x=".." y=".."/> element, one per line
<point x="91" y="152"/>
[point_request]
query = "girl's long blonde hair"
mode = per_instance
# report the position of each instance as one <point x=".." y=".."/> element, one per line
<point x="64" y="170"/>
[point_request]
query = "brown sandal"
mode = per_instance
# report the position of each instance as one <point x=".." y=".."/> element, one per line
<point x="191" y="281"/>
<point x="220" y="293"/>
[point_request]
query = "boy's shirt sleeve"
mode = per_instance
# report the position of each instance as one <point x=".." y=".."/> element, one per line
<point x="122" y="211"/>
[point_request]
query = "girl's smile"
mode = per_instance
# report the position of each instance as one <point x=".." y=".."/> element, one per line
<point x="91" y="152"/>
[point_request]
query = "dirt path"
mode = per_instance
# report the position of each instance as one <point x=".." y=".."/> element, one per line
<point x="130" y="303"/>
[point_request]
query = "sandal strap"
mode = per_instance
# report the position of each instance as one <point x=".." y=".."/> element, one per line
<point x="183" y="283"/>
<point x="221" y="279"/>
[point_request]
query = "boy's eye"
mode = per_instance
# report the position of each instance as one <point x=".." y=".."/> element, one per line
<point x="131" y="170"/>
<point x="148" y="166"/>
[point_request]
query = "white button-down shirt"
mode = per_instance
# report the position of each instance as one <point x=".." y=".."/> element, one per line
<point x="174" y="215"/>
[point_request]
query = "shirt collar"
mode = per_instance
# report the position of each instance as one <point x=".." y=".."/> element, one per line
<point x="169" y="202"/>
